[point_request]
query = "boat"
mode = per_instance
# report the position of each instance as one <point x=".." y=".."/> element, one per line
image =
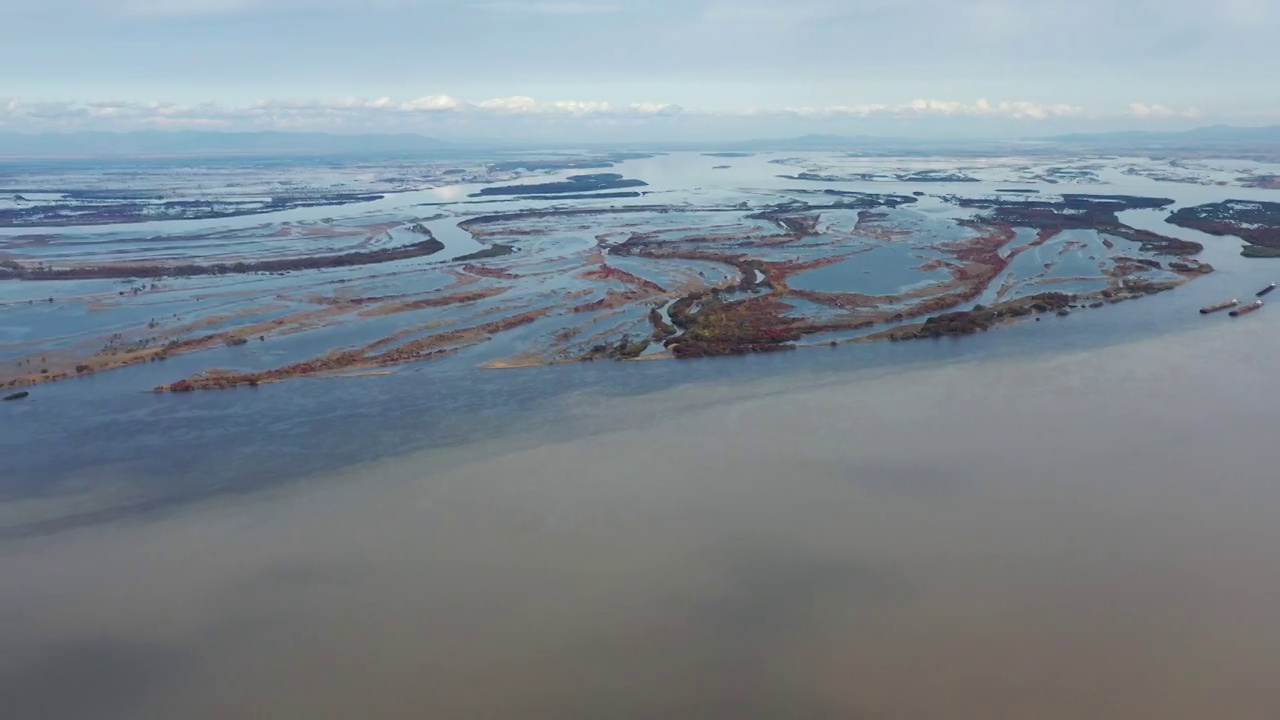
<point x="1246" y="309"/>
<point x="1266" y="289"/>
<point x="1219" y="307"/>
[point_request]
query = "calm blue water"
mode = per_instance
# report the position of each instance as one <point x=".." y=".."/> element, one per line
<point x="884" y="270"/>
<point x="105" y="436"/>
<point x="173" y="449"/>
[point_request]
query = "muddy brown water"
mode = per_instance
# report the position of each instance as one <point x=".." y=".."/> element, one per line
<point x="1085" y="535"/>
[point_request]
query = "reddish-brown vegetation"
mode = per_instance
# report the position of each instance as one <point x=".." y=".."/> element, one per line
<point x="424" y="348"/>
<point x="967" y="322"/>
<point x="713" y="326"/>
<point x="489" y="272"/>
<point x="612" y="299"/>
<point x="431" y="302"/>
<point x="608" y="272"/>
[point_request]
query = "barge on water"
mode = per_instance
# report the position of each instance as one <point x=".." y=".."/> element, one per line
<point x="1246" y="309"/>
<point x="1219" y="307"/>
<point x="1266" y="289"/>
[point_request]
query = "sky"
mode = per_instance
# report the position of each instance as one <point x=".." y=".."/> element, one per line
<point x="640" y="69"/>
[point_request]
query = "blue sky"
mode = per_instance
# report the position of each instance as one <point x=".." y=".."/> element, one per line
<point x="644" y="69"/>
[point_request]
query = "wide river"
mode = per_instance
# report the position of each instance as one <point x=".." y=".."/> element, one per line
<point x="1085" y="533"/>
<point x="1072" y="518"/>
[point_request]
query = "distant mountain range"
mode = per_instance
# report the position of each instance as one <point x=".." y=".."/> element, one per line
<point x="818" y="142"/>
<point x="1215" y="135"/>
<point x="1209" y="135"/>
<point x="196" y="143"/>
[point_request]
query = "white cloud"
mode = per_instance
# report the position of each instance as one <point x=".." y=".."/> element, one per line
<point x="185" y="123"/>
<point x="286" y="114"/>
<point x="518" y="105"/>
<point x="432" y="103"/>
<point x="425" y="113"/>
<point x="1017" y="110"/>
<point x="655" y="109"/>
<point x="1142" y="110"/>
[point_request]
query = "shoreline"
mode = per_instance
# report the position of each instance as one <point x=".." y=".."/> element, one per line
<point x="595" y="412"/>
<point x="621" y="391"/>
